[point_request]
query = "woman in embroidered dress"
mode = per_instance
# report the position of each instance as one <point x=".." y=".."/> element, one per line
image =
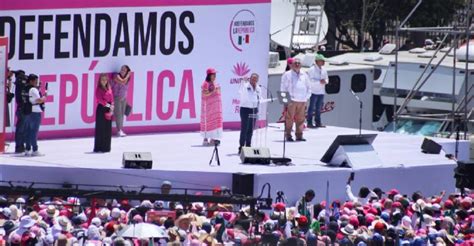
<point x="211" y="109"/>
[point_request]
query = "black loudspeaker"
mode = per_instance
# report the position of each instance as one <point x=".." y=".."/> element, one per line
<point x="255" y="155"/>
<point x="242" y="184"/>
<point x="430" y="147"/>
<point x="464" y="175"/>
<point x="137" y="160"/>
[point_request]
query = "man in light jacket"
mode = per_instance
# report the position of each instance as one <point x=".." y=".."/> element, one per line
<point x="318" y="78"/>
<point x="296" y="83"/>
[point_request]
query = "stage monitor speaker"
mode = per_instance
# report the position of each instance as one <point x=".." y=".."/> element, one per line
<point x="137" y="160"/>
<point x="430" y="147"/>
<point x="464" y="175"/>
<point x="255" y="155"/>
<point x="242" y="184"/>
<point x="354" y="151"/>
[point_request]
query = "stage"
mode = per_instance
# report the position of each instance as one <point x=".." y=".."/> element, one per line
<point x="181" y="159"/>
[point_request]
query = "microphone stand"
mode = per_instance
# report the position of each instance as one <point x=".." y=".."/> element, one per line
<point x="285" y="160"/>
<point x="269" y="93"/>
<point x="360" y="111"/>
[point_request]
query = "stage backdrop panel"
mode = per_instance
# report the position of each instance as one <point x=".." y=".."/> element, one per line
<point x="167" y="44"/>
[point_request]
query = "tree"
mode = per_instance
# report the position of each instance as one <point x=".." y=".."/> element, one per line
<point x="347" y="17"/>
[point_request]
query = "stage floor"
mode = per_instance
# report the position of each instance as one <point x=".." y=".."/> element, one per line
<point x="181" y="158"/>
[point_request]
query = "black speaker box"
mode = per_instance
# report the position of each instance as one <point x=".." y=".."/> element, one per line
<point x="242" y="184"/>
<point x="251" y="155"/>
<point x="137" y="160"/>
<point x="430" y="147"/>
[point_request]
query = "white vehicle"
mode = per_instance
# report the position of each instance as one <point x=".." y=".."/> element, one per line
<point x="435" y="96"/>
<point x="340" y="108"/>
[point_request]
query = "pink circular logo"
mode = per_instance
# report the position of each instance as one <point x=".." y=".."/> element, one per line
<point x="242" y="30"/>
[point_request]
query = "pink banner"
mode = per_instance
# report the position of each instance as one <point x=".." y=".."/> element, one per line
<point x="75" y="4"/>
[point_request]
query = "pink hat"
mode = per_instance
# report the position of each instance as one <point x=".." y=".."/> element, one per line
<point x="354" y="221"/>
<point x="228" y="216"/>
<point x="137" y="218"/>
<point x="373" y="211"/>
<point x="369" y="218"/>
<point x="279" y="206"/>
<point x="393" y="192"/>
<point x="290" y="61"/>
<point x="302" y="221"/>
<point x="448" y="204"/>
<point x="344" y="217"/>
<point x="211" y="71"/>
<point x="421" y="232"/>
<point x="466" y="203"/>
<point x="396" y="205"/>
<point x="348" y="205"/>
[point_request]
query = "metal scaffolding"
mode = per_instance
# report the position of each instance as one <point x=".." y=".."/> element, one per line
<point x="460" y="113"/>
<point x="307" y="22"/>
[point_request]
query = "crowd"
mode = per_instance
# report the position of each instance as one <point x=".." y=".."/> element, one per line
<point x="370" y="218"/>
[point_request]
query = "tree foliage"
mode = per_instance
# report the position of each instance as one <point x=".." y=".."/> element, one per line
<point x="347" y="16"/>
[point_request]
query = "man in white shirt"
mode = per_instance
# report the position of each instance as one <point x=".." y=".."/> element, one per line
<point x="297" y="84"/>
<point x="250" y="96"/>
<point x="33" y="115"/>
<point x="318" y="78"/>
<point x="364" y="197"/>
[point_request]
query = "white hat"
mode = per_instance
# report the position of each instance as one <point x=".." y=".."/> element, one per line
<point x="15" y="212"/>
<point x="64" y="222"/>
<point x="82" y="217"/>
<point x="20" y="200"/>
<point x="115" y="213"/>
<point x="96" y="221"/>
<point x="406" y="222"/>
<point x="26" y="222"/>
<point x="348" y="229"/>
<point x="146" y="204"/>
<point x="93" y="233"/>
<point x="6" y="211"/>
<point x="103" y="214"/>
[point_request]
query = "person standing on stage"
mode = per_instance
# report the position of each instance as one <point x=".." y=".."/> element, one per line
<point x="250" y="95"/>
<point x="211" y="109"/>
<point x="103" y="115"/>
<point x="120" y="88"/>
<point x="21" y="97"/>
<point x="297" y="85"/>
<point x="318" y="77"/>
<point x="32" y="112"/>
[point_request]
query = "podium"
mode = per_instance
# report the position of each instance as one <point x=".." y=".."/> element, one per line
<point x="353" y="151"/>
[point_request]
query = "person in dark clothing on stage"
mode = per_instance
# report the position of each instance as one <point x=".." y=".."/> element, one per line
<point x="250" y="96"/>
<point x="103" y="115"/>
<point x="21" y="97"/>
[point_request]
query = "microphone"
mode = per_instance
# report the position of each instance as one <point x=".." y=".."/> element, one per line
<point x="353" y="93"/>
<point x="271" y="95"/>
<point x="360" y="111"/>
